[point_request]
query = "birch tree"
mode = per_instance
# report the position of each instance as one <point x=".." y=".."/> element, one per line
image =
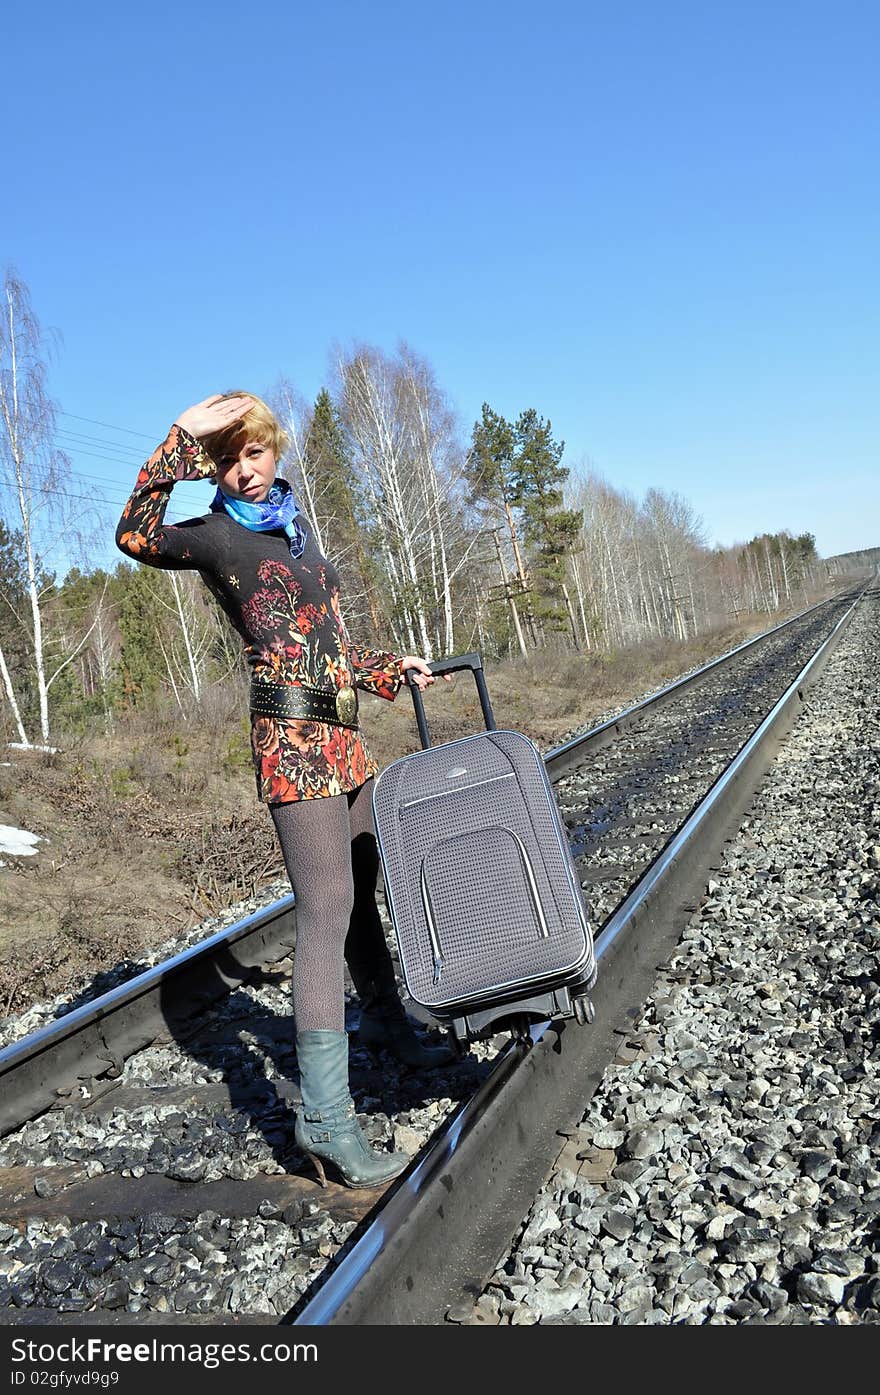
<point x="80" y="617"/>
<point x="393" y="416"/>
<point x="105" y="653"/>
<point x="188" y="638"/>
<point x="439" y="469"/>
<point x="33" y="472"/>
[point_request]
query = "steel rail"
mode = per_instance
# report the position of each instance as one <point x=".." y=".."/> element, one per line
<point x="563" y="757"/>
<point x="88" y="1040"/>
<point x="449" y="1219"/>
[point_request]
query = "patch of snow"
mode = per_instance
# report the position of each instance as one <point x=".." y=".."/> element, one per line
<point x="18" y="841"/>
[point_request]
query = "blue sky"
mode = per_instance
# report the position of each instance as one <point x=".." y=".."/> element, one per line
<point x="655" y="223"/>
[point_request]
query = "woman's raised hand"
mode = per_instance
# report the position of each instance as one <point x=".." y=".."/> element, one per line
<point x="424" y="677"/>
<point x="213" y="414"/>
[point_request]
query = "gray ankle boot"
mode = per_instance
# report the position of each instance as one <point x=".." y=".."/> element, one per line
<point x="384" y="1025"/>
<point x="326" y="1128"/>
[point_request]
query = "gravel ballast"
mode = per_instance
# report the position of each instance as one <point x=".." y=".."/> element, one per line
<point x="727" y="1169"/>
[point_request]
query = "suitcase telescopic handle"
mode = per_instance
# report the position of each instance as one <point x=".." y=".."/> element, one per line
<point x="454" y="664"/>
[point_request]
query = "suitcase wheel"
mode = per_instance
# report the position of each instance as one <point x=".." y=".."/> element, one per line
<point x="584" y="1011"/>
<point x="519" y="1028"/>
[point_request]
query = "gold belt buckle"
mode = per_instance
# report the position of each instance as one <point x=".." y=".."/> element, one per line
<point x="346" y="704"/>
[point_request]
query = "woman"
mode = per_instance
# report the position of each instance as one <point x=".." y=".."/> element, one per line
<point x="257" y="554"/>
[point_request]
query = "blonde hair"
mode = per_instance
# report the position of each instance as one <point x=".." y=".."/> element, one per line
<point x="259" y="423"/>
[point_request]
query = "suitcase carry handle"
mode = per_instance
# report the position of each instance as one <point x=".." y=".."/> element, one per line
<point x="454" y="664"/>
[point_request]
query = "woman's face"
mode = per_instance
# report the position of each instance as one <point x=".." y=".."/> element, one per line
<point x="248" y="475"/>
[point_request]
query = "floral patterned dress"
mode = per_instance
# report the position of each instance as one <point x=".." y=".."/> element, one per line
<point x="286" y="610"/>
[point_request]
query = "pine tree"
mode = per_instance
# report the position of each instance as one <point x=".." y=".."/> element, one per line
<point x="489" y="465"/>
<point x="490" y="471"/>
<point x="550" y="530"/>
<point x="327" y="456"/>
<point x="328" y="459"/>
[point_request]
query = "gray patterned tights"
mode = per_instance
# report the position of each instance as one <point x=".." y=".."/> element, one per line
<point x="329" y="849"/>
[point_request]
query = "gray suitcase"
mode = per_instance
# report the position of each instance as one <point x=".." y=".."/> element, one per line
<point x="480" y="885"/>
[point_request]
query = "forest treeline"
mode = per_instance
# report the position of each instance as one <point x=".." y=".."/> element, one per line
<point x="846" y="563"/>
<point x="446" y="541"/>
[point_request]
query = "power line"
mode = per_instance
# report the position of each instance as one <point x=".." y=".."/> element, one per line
<point x="71" y="443"/>
<point x="127" y="430"/>
<point x="98" y="440"/>
<point x="100" y="503"/>
<point x="93" y="455"/>
<point x="119" y="450"/>
<point x="118" y="454"/>
<point x="102" y="479"/>
<point x="136" y="461"/>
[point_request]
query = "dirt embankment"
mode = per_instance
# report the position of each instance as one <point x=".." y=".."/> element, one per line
<point x="146" y="832"/>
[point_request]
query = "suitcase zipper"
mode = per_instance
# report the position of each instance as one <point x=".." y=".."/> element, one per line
<point x="442" y="794"/>
<point x="543" y="932"/>
<point x="432" y="928"/>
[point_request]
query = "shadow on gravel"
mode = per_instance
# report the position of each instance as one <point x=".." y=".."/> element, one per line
<point x="253" y="1047"/>
<point x="120" y="972"/>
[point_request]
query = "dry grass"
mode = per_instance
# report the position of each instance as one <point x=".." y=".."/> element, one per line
<point x="142" y="840"/>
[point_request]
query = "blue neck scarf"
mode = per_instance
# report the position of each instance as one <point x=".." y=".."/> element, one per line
<point x="277" y="510"/>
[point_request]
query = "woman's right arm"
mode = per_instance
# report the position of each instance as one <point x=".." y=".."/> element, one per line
<point x="181" y="456"/>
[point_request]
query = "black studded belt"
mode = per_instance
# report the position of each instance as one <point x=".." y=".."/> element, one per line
<point x="293" y="701"/>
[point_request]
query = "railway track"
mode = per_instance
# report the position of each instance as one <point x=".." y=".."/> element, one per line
<point x="147" y="1171"/>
